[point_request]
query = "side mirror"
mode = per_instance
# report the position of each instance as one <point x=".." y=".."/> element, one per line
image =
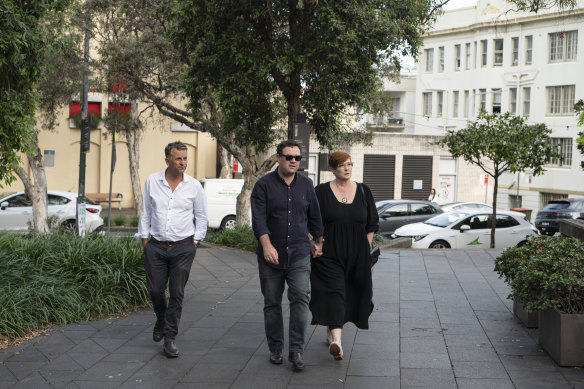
<point x="464" y="227"/>
<point x="385" y="216"/>
<point x="4" y="205"/>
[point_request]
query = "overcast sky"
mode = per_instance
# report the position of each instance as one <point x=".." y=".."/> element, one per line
<point x="459" y="4"/>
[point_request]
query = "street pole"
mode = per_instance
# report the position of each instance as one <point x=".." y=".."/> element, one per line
<point x="84" y="143"/>
<point x="112" y="165"/>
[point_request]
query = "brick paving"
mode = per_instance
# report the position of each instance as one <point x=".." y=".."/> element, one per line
<point x="441" y="320"/>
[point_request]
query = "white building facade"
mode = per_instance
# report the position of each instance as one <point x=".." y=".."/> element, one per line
<point x="493" y="58"/>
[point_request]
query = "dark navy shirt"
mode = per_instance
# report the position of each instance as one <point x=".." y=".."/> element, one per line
<point x="287" y="214"/>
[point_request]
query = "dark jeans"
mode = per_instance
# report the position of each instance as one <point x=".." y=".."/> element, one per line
<point x="172" y="265"/>
<point x="272" y="281"/>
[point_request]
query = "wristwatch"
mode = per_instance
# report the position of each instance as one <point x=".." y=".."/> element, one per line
<point x="198" y="243"/>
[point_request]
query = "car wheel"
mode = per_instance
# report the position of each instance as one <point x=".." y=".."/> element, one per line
<point x="439" y="244"/>
<point x="522" y="243"/>
<point x="228" y="223"/>
<point x="69" y="226"/>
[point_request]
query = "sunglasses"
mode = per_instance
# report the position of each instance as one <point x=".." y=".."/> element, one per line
<point x="290" y="157"/>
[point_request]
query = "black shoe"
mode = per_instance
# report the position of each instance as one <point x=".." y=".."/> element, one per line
<point x="276" y="357"/>
<point x="297" y="361"/>
<point x="158" y="332"/>
<point x="170" y="348"/>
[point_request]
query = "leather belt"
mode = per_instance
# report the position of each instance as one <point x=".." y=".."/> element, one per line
<point x="168" y="244"/>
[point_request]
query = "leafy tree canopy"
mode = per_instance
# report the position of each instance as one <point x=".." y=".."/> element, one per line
<point x="321" y="58"/>
<point x="21" y="62"/>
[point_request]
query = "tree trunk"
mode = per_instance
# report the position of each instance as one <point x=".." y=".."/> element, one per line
<point x="36" y="189"/>
<point x="494" y="216"/>
<point x="226" y="161"/>
<point x="293" y="110"/>
<point x="133" y="145"/>
<point x="254" y="167"/>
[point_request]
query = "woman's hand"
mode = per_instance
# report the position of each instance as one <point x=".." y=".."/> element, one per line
<point x="315" y="249"/>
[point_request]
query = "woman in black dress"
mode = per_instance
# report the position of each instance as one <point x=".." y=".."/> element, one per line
<point x="341" y="286"/>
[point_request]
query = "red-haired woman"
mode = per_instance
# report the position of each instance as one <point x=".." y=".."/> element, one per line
<point x="341" y="286"/>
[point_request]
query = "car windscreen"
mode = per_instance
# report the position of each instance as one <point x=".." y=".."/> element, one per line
<point x="446" y="219"/>
<point x="558" y="205"/>
<point x="381" y="206"/>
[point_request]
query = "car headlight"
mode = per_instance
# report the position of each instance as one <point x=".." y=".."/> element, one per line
<point x="419" y="237"/>
<point x="393" y="236"/>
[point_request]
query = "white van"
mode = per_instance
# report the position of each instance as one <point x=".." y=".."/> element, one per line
<point x="222" y="201"/>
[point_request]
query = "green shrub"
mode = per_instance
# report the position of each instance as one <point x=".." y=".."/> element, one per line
<point x="378" y="239"/>
<point x="104" y="217"/>
<point x="134" y="220"/>
<point x="119" y="220"/>
<point x="240" y="237"/>
<point x="62" y="278"/>
<point x="547" y="272"/>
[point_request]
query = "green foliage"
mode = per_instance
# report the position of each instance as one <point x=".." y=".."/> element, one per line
<point x="378" y="239"/>
<point x="579" y="108"/>
<point x="61" y="278"/>
<point x="94" y="120"/>
<point x="546" y="272"/>
<point x="538" y="5"/>
<point x="119" y="220"/>
<point x="134" y="220"/>
<point x="322" y="58"/>
<point x="240" y="237"/>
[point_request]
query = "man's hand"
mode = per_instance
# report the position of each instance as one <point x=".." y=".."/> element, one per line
<point x="144" y="241"/>
<point x="315" y="249"/>
<point x="270" y="252"/>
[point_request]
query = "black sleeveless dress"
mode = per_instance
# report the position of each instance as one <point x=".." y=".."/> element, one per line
<point x="341" y="286"/>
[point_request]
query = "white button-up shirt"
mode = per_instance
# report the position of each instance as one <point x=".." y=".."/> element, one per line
<point x="167" y="215"/>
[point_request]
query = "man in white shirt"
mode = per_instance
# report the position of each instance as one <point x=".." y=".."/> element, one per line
<point x="170" y="239"/>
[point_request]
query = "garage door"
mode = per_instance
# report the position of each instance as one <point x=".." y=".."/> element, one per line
<point x="417" y="169"/>
<point x="379" y="175"/>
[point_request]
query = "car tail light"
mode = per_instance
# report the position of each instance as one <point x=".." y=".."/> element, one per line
<point x="92" y="210"/>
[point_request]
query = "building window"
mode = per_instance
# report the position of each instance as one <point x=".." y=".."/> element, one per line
<point x="475" y="56"/>
<point x="514" y="51"/>
<point x="49" y="159"/>
<point x="515" y="201"/>
<point x="528" y="49"/>
<point x="545" y="198"/>
<point x="473" y="100"/>
<point x="496" y="100"/>
<point x="483" y="53"/>
<point x="466" y="104"/>
<point x="455" y="104"/>
<point x="441" y="60"/>
<point x="564" y="148"/>
<point x="513" y="101"/>
<point x="429" y="56"/>
<point x="483" y="97"/>
<point x="526" y="101"/>
<point x="563" y="46"/>
<point x="467" y="58"/>
<point x="560" y="100"/>
<point x="498" y="53"/>
<point x="427" y="97"/>
<point x="440" y="98"/>
<point x="395" y="109"/>
<point x="457" y="57"/>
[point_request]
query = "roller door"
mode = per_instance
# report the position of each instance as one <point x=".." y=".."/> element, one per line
<point x="416" y="167"/>
<point x="379" y="175"/>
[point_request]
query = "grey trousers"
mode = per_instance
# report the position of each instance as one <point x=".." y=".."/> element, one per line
<point x="172" y="265"/>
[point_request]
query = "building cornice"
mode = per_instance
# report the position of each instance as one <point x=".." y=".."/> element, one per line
<point x="507" y="22"/>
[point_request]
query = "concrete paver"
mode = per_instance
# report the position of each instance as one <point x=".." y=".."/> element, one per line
<point x="441" y="320"/>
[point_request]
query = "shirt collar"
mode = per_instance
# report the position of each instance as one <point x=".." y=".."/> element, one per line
<point x="279" y="177"/>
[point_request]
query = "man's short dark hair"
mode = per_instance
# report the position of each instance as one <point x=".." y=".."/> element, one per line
<point x="287" y="143"/>
<point x="178" y="145"/>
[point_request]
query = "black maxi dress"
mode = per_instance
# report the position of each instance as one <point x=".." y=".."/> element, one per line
<point x="341" y="286"/>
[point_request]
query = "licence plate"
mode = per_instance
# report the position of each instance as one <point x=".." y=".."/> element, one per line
<point x="545" y="224"/>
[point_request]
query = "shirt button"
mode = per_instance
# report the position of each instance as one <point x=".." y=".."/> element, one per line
<point x="288" y="223"/>
<point x="289" y="199"/>
<point x="289" y="211"/>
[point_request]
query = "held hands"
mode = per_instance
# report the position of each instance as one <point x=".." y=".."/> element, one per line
<point x="316" y="248"/>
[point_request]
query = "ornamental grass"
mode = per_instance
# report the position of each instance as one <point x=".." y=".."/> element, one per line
<point x="62" y="278"/>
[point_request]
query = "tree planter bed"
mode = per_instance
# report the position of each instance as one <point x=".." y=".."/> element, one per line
<point x="528" y="318"/>
<point x="562" y="336"/>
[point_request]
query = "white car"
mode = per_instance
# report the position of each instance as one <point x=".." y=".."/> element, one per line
<point x="16" y="211"/>
<point x="468" y="229"/>
<point x="222" y="201"/>
<point x="468" y="205"/>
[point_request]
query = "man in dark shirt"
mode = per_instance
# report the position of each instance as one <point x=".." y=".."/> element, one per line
<point x="284" y="211"/>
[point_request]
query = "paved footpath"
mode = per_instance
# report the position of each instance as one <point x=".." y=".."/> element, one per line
<point x="441" y="320"/>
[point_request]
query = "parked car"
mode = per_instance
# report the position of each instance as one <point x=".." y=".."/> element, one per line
<point x="16" y="211"/>
<point x="222" y="201"/>
<point x="548" y="219"/>
<point x="468" y="228"/>
<point x="472" y="205"/>
<point x="465" y="205"/>
<point x="396" y="213"/>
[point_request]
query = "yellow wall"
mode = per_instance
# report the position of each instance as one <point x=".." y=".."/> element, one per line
<point x="64" y="175"/>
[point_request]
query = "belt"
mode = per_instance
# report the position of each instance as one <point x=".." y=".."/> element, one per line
<point x="168" y="244"/>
